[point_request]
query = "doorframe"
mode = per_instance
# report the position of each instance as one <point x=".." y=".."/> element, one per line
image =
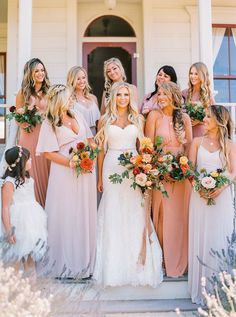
<point x="130" y="47"/>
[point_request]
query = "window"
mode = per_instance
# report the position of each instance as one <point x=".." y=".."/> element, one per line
<point x="2" y="95"/>
<point x="224" y="57"/>
<point x="109" y="25"/>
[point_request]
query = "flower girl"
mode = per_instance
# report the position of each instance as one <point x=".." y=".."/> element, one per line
<point x="24" y="220"/>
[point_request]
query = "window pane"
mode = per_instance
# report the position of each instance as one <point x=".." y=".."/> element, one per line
<point x="233" y="52"/>
<point x="233" y="90"/>
<point x="222" y="87"/>
<point x="221" y="66"/>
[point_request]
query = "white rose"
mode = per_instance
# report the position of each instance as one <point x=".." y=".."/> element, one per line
<point x="141" y="179"/>
<point x="208" y="182"/>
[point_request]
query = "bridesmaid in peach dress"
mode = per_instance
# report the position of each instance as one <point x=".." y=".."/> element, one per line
<point x="170" y="215"/>
<point x="71" y="202"/>
<point x="34" y="87"/>
<point x="199" y="90"/>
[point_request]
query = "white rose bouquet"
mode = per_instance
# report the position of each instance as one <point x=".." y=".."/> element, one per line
<point x="206" y="183"/>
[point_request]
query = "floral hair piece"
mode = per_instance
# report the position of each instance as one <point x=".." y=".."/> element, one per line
<point x="17" y="160"/>
<point x="56" y="89"/>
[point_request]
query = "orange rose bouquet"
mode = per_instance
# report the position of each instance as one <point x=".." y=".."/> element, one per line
<point x="84" y="156"/>
<point x="140" y="169"/>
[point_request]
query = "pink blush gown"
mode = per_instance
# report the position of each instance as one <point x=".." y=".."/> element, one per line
<point x="71" y="205"/>
<point x="174" y="209"/>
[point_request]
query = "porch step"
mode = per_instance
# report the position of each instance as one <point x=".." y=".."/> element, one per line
<point x="88" y="300"/>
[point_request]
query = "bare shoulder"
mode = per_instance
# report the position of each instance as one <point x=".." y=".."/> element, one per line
<point x="154" y="115"/>
<point x="196" y="141"/>
<point x="232" y="146"/>
<point x="19" y="98"/>
<point x="186" y="118"/>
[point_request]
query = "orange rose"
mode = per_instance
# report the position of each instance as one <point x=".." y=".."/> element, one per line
<point x="86" y="164"/>
<point x="184" y="168"/>
<point x="138" y="160"/>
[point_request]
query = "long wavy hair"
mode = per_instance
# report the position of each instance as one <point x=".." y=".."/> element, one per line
<point x="111" y="113"/>
<point x="28" y="83"/>
<point x="57" y="104"/>
<point x="72" y="82"/>
<point x="205" y="92"/>
<point x="168" y="70"/>
<point x="173" y="92"/>
<point x="18" y="172"/>
<point x="225" y="130"/>
<point x="108" y="82"/>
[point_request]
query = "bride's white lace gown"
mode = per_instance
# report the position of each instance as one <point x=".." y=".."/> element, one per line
<point x="121" y="223"/>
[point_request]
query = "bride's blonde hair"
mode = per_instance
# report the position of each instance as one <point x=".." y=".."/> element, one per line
<point x="225" y="129"/>
<point x="111" y="114"/>
<point x="57" y="103"/>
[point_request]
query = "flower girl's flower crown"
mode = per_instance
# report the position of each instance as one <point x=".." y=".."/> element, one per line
<point x="55" y="90"/>
<point x="10" y="166"/>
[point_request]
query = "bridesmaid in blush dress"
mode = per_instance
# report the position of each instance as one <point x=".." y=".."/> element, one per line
<point x="199" y="90"/>
<point x="170" y="215"/>
<point x="34" y="87"/>
<point x="71" y="202"/>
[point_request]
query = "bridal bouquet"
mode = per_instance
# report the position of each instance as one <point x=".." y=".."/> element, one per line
<point x="83" y="156"/>
<point x="206" y="183"/>
<point x="175" y="167"/>
<point x="195" y="110"/>
<point x="140" y="169"/>
<point x="28" y="116"/>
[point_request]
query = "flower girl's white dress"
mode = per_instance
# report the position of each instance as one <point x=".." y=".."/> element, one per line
<point x="29" y="222"/>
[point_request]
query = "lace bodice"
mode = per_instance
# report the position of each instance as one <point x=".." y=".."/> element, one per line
<point x="121" y="139"/>
<point x="23" y="193"/>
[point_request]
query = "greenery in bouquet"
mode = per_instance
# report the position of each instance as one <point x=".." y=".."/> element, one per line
<point x="28" y="116"/>
<point x="175" y="167"/>
<point x="206" y="183"/>
<point x="83" y="156"/>
<point x="195" y="110"/>
<point x="140" y="168"/>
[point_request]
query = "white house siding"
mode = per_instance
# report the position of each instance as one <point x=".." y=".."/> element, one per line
<point x="167" y="39"/>
<point x="3" y="37"/>
<point x="49" y="36"/>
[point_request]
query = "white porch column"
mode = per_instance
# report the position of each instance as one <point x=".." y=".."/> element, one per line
<point x="205" y="35"/>
<point x="25" y="36"/>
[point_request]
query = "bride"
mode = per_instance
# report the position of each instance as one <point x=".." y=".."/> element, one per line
<point x="121" y="215"/>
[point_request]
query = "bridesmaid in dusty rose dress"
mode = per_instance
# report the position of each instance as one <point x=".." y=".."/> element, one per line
<point x="71" y="202"/>
<point x="34" y="87"/>
<point x="170" y="215"/>
<point x="199" y="90"/>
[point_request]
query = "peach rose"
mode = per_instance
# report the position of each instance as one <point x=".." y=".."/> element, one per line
<point x="86" y="164"/>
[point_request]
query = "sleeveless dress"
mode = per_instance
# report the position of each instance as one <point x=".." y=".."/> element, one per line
<point x="29" y="221"/>
<point x="71" y="205"/>
<point x="40" y="165"/>
<point x="90" y="112"/>
<point x="121" y="223"/>
<point x="170" y="215"/>
<point x="209" y="227"/>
